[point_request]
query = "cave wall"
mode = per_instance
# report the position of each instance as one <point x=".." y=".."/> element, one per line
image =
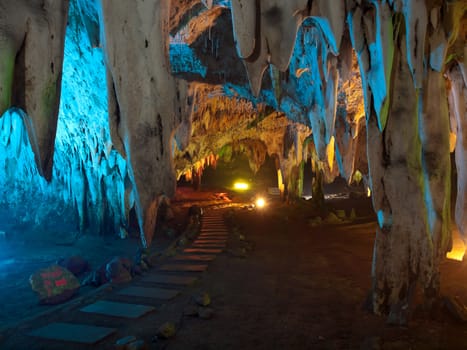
<point x="87" y="189"/>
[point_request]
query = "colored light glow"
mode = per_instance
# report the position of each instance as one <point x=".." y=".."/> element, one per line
<point x="241" y="186"/>
<point x="457" y="254"/>
<point x="260" y="202"/>
<point x="4" y="263"/>
<point x="458" y="247"/>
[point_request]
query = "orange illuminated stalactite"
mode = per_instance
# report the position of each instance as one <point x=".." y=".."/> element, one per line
<point x="188" y="175"/>
<point x="280" y="182"/>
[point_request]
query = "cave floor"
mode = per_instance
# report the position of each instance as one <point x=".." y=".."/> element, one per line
<point x="296" y="287"/>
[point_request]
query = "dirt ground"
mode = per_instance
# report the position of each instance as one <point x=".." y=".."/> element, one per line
<point x="294" y="285"/>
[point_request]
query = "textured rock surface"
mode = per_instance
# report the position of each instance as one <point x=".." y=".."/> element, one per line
<point x="146" y="102"/>
<point x="300" y="59"/>
<point x="32" y="37"/>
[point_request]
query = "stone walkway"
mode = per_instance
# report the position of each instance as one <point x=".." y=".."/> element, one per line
<point x="143" y="295"/>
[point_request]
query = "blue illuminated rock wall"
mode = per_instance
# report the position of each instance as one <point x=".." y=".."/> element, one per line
<point x="87" y="188"/>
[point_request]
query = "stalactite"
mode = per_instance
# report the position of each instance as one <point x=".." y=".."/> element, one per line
<point x="40" y="49"/>
<point x="149" y="99"/>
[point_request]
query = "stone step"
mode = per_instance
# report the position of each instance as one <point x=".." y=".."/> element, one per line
<point x="78" y="333"/>
<point x="184" y="267"/>
<point x="208" y="245"/>
<point x="194" y="257"/>
<point x="149" y="292"/>
<point x="203" y="250"/>
<point x="212" y="236"/>
<point x="111" y="308"/>
<point x="169" y="279"/>
<point x="210" y="241"/>
<point x="214" y="228"/>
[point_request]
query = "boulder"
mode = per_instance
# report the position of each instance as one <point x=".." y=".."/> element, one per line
<point x="54" y="284"/>
<point x="118" y="270"/>
<point x="75" y="264"/>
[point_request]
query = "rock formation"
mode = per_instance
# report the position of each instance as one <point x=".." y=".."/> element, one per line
<point x="32" y="36"/>
<point x="145" y="102"/>
<point x="270" y="77"/>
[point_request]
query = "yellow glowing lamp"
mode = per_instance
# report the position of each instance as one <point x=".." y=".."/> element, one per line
<point x="456" y="255"/>
<point x="260" y="202"/>
<point x="458" y="247"/>
<point x="241" y="186"/>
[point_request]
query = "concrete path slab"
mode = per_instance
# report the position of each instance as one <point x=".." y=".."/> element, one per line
<point x="194" y="257"/>
<point x="70" y="332"/>
<point x="168" y="279"/>
<point x="149" y="292"/>
<point x="111" y="308"/>
<point x="203" y="250"/>
<point x="184" y="267"/>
